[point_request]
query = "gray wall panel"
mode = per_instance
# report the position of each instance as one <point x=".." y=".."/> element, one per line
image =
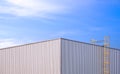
<point x="38" y="58"/>
<point x="79" y="58"/>
<point x="115" y="61"/>
<point x="82" y="58"/>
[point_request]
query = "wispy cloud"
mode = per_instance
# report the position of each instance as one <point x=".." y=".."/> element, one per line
<point x="7" y="43"/>
<point x="12" y="42"/>
<point x="63" y="34"/>
<point x="30" y="8"/>
<point x="41" y="8"/>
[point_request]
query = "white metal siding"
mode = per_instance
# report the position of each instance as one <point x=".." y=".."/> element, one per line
<point x="59" y="56"/>
<point x="82" y="58"/>
<point x="38" y="58"/>
<point x="115" y="61"/>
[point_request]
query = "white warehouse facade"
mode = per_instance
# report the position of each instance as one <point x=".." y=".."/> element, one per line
<point x="58" y="56"/>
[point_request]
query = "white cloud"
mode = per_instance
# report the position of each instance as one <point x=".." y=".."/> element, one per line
<point x="41" y="8"/>
<point x="7" y="43"/>
<point x="31" y="8"/>
<point x="12" y="42"/>
<point x="63" y="34"/>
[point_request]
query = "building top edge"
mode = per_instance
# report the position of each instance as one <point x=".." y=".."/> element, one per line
<point x="53" y="40"/>
<point x="88" y="43"/>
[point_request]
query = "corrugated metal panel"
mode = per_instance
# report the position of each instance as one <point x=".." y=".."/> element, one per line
<point x="38" y="58"/>
<point x="115" y="61"/>
<point x="59" y="56"/>
<point x="83" y="58"/>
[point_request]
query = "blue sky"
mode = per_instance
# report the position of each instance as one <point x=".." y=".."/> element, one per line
<point x="23" y="21"/>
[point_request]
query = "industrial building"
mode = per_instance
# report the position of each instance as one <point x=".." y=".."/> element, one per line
<point x="59" y="56"/>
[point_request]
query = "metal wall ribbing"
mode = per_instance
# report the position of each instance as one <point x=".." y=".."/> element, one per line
<point x="37" y="58"/>
<point x="83" y="58"/>
<point x="115" y="61"/>
<point x="59" y="56"/>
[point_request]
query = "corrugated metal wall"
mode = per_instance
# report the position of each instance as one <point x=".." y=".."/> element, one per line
<point x="81" y="58"/>
<point x="38" y="58"/>
<point x="115" y="61"/>
<point x="60" y="56"/>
